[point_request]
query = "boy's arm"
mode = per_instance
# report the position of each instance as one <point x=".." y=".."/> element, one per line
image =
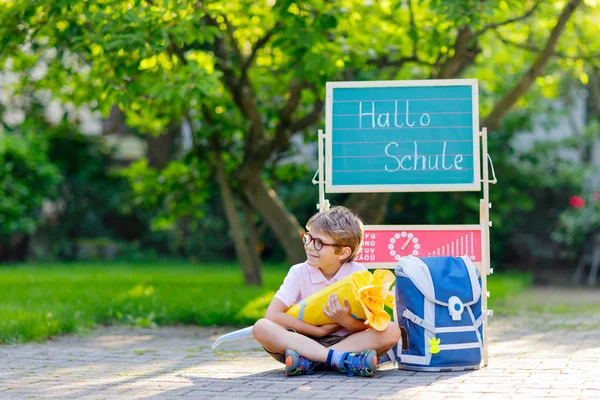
<point x="355" y="325"/>
<point x="342" y="314"/>
<point x="276" y="313"/>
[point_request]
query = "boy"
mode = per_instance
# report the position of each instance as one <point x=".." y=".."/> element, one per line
<point x="333" y="241"/>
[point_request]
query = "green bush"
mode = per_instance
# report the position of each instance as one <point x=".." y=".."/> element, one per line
<point x="27" y="178"/>
<point x="88" y="196"/>
<point x="577" y="223"/>
<point x="89" y="217"/>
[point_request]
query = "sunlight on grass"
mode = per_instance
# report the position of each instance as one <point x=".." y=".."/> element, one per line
<point x="37" y="302"/>
<point x="503" y="288"/>
<point x="40" y="301"/>
<point x="256" y="308"/>
<point x="556" y="302"/>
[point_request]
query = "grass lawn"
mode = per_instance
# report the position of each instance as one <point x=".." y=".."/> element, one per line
<point x="39" y="301"/>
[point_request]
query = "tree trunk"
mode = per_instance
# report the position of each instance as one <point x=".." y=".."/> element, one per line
<point x="594" y="90"/>
<point x="252" y="274"/>
<point x="15" y="248"/>
<point x="280" y="220"/>
<point x="115" y="123"/>
<point x="370" y="207"/>
<point x="594" y="115"/>
<point x="161" y="148"/>
<point x="252" y="237"/>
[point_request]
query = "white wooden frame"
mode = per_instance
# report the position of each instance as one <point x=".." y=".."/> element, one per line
<point x="324" y="160"/>
<point x="475" y="186"/>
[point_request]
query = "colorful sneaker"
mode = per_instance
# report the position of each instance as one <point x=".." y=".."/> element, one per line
<point x="363" y="363"/>
<point x="295" y="364"/>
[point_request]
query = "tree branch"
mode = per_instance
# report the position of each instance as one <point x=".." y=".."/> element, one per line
<point x="286" y="112"/>
<point x="287" y="127"/>
<point x="464" y="55"/>
<point x="492" y="121"/>
<point x="495" y="25"/>
<point x="178" y="51"/>
<point x="260" y="43"/>
<point x="532" y="48"/>
<point x="413" y="26"/>
<point x="310" y="118"/>
<point x="234" y="43"/>
<point x="466" y="48"/>
<point x="220" y="49"/>
<point x="241" y="91"/>
<point x="384" y="61"/>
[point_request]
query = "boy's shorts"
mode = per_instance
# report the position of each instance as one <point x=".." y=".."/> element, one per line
<point x="326" y="341"/>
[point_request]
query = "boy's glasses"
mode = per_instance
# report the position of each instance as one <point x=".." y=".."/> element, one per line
<point x="318" y="243"/>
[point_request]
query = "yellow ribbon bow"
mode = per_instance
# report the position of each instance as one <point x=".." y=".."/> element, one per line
<point x="374" y="296"/>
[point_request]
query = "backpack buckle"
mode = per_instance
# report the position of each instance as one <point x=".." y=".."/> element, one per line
<point x="455" y="307"/>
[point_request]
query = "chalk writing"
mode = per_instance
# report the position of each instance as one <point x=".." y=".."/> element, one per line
<point x="422" y="162"/>
<point x="382" y="120"/>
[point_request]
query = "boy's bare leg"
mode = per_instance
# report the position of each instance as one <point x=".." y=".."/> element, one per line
<point x="277" y="339"/>
<point x="380" y="341"/>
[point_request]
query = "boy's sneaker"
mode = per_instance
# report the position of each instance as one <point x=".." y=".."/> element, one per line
<point x="363" y="363"/>
<point x="295" y="364"/>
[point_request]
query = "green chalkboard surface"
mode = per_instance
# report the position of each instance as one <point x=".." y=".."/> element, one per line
<point x="395" y="136"/>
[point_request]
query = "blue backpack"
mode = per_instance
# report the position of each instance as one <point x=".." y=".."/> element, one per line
<point x="438" y="303"/>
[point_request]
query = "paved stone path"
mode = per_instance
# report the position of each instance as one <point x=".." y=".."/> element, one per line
<point x="532" y="355"/>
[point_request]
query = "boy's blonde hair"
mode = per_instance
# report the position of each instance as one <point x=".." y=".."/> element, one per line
<point x="342" y="225"/>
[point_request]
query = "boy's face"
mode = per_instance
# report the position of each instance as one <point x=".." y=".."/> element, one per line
<point x="325" y="258"/>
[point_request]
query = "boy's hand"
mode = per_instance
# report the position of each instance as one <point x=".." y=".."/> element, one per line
<point x="336" y="311"/>
<point x="327" y="329"/>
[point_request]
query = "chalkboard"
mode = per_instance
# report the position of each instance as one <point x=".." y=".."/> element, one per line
<point x="402" y="136"/>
